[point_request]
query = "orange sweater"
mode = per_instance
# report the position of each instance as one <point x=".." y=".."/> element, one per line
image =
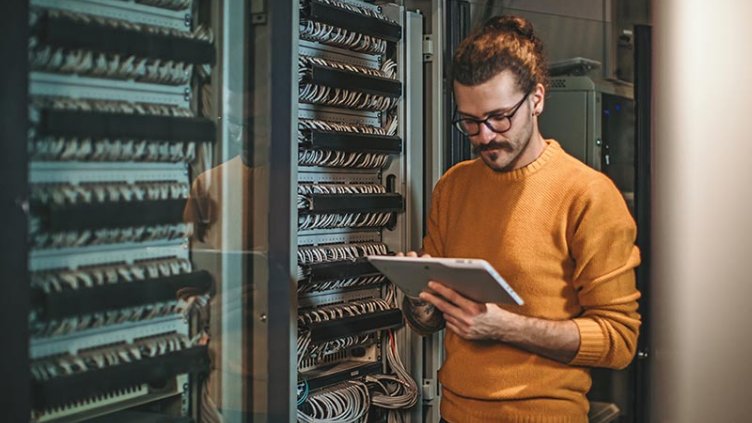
<point x="560" y="233"/>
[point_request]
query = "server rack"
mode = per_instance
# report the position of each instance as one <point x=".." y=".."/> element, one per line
<point x="118" y="126"/>
<point x="359" y="191"/>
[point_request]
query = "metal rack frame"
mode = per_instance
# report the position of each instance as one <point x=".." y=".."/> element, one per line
<point x="15" y="396"/>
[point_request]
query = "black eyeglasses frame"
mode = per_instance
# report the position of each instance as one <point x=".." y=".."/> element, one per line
<point x="508" y="116"/>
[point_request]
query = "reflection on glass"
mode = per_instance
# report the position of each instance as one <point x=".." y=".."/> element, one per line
<point x="133" y="242"/>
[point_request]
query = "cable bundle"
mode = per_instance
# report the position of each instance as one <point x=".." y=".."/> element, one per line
<point x="201" y="33"/>
<point x="48" y="414"/>
<point x="394" y="392"/>
<point x="330" y="158"/>
<point x="319" y="94"/>
<point x="358" y="9"/>
<point x="99" y="358"/>
<point x="338" y="97"/>
<point x="92" y="276"/>
<point x="339" y="311"/>
<point x="106" y="65"/>
<point x="347" y="402"/>
<point x="303" y="124"/>
<point x="306" y="190"/>
<point x="59" y="327"/>
<point x="342" y="38"/>
<point x="338" y="37"/>
<point x="313" y="354"/>
<point x="347" y="220"/>
<point x="104" y="106"/>
<point x="72" y="239"/>
<point x="59" y="148"/>
<point x="305" y="286"/>
<point x="89" y="277"/>
<point x="168" y="4"/>
<point x="388" y="69"/>
<point x="339" y="252"/>
<point x="67" y="194"/>
<point x="111" y="150"/>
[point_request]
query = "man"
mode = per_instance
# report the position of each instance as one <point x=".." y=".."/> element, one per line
<point x="558" y="231"/>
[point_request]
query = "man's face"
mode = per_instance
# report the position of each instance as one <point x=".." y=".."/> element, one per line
<point x="497" y="97"/>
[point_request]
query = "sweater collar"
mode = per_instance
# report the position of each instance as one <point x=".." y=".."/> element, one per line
<point x="550" y="151"/>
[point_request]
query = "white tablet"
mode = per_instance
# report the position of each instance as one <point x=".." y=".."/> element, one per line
<point x="473" y="278"/>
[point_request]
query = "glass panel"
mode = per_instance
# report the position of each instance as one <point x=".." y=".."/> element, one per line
<point x="142" y="213"/>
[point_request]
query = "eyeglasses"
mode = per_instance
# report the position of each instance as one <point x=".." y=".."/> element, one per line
<point x="499" y="123"/>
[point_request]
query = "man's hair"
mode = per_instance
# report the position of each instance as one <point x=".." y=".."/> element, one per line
<point x="502" y="43"/>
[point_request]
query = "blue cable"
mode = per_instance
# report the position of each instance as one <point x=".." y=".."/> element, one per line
<point x="303" y="399"/>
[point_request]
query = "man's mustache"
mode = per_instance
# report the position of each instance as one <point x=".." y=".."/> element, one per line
<point x="493" y="145"/>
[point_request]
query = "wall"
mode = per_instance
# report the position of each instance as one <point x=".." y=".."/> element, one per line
<point x="702" y="199"/>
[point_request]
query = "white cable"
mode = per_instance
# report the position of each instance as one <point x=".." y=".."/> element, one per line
<point x="387" y="70"/>
<point x="338" y="37"/>
<point x="347" y="402"/>
<point x="201" y="33"/>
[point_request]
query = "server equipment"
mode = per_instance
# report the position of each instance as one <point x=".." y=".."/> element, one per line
<point x="115" y="122"/>
<point x="352" y="197"/>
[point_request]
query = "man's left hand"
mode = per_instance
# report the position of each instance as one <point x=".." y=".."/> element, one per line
<point x="469" y="319"/>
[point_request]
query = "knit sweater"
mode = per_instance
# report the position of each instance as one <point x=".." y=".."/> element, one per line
<point x="560" y="233"/>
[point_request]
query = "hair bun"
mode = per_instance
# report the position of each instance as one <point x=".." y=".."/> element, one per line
<point x="507" y="23"/>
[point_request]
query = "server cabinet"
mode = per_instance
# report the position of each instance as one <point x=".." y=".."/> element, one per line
<point x="111" y="133"/>
<point x="595" y="122"/>
<point x="359" y="192"/>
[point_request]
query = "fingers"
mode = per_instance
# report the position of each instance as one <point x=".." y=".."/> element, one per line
<point x="411" y="254"/>
<point x="466" y="304"/>
<point x="443" y="305"/>
<point x="459" y="324"/>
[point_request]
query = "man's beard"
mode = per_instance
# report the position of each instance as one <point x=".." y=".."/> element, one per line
<point x="505" y="146"/>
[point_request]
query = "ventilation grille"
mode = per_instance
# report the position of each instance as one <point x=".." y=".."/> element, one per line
<point x="312" y="363"/>
<point x="558" y="83"/>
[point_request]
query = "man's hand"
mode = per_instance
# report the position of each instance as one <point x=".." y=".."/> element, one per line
<point x="423" y="317"/>
<point x="413" y="254"/>
<point x="557" y="340"/>
<point x="468" y="319"/>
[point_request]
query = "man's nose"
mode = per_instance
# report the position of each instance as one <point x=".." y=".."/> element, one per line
<point x="485" y="135"/>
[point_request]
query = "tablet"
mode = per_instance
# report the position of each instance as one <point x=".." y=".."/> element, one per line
<point x="473" y="278"/>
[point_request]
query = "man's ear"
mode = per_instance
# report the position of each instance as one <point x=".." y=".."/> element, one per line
<point x="539" y="99"/>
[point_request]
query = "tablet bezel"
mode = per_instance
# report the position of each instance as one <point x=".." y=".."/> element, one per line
<point x="473" y="278"/>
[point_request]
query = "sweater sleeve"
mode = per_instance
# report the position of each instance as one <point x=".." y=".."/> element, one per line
<point x="602" y="239"/>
